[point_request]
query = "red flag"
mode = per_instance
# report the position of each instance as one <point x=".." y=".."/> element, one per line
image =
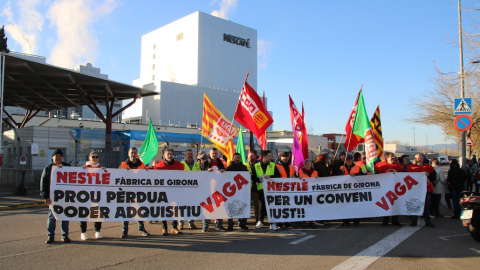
<point x="352" y="140"/>
<point x="304" y="137"/>
<point x="298" y="126"/>
<point x="262" y="140"/>
<point x="251" y="113"/>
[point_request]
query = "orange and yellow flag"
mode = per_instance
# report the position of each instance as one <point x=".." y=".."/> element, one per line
<point x="377" y="131"/>
<point x="218" y="129"/>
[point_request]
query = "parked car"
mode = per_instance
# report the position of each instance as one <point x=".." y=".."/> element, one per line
<point x="443" y="160"/>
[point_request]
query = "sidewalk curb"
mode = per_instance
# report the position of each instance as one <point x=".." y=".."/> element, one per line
<point x="22" y="206"/>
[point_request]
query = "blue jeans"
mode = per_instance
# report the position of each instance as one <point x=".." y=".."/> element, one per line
<point x="141" y="226"/>
<point x="182" y="222"/>
<point x="52" y="224"/>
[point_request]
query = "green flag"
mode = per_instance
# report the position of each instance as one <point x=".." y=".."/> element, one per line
<point x="150" y="145"/>
<point x="362" y="128"/>
<point x="241" y="146"/>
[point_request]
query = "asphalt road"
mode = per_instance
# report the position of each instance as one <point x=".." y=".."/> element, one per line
<point x="372" y="246"/>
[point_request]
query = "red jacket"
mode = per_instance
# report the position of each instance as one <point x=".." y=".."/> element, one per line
<point x="423" y="168"/>
<point x="385" y="167"/>
<point x="162" y="165"/>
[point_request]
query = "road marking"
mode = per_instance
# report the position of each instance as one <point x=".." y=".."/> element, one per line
<point x="302" y="239"/>
<point x="475" y="250"/>
<point x="334" y="227"/>
<point x="368" y="256"/>
<point x="293" y="234"/>
<point x="445" y="237"/>
<point x="30" y="252"/>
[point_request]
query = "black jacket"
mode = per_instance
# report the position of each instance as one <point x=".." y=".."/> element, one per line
<point x="235" y="167"/>
<point x="45" y="180"/>
<point x="456" y="178"/>
<point x="322" y="169"/>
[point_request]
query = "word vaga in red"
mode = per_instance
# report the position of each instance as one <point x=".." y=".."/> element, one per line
<point x="83" y="178"/>
<point x="400" y="189"/>
<point x="229" y="190"/>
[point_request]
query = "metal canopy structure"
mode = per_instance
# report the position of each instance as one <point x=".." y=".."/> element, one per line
<point x="37" y="86"/>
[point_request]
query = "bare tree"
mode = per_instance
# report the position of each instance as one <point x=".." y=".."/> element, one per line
<point x="436" y="106"/>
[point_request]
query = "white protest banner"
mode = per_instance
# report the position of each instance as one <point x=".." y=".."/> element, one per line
<point x="343" y="197"/>
<point x="94" y="194"/>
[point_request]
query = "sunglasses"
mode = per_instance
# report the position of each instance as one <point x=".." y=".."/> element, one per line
<point x="94" y="156"/>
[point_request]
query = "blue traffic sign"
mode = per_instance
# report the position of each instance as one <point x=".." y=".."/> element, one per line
<point x="462" y="106"/>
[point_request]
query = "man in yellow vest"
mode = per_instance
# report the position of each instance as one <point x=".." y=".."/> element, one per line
<point x="264" y="170"/>
<point x="190" y="165"/>
<point x="251" y="160"/>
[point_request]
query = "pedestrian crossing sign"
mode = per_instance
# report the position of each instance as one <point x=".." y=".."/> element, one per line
<point x="463" y="106"/>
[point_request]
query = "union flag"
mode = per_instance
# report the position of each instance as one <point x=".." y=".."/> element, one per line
<point x="351" y="139"/>
<point x="251" y="111"/>
<point x="218" y="129"/>
<point x="377" y="131"/>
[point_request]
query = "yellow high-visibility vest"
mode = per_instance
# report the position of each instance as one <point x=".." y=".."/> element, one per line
<point x="196" y="166"/>
<point x="258" y="170"/>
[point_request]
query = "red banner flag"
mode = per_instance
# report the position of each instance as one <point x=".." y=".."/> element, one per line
<point x="251" y="113"/>
<point x="352" y="140"/>
<point x="298" y="126"/>
<point x="262" y="140"/>
<point x="305" y="136"/>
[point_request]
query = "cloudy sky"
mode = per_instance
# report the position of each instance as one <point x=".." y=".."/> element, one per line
<point x="319" y="52"/>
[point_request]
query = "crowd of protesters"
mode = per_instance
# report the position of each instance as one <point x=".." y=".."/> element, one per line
<point x="439" y="188"/>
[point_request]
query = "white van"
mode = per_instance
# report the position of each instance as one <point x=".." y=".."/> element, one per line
<point x="443" y="160"/>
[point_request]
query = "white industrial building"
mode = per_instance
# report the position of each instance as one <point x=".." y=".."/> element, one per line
<point x="182" y="60"/>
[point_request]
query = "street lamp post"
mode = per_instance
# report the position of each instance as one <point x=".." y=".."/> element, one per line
<point x="414" y="138"/>
<point x="462" y="87"/>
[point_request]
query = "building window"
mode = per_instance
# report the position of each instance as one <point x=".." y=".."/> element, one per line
<point x="153" y="56"/>
<point x="153" y="66"/>
<point x="153" y="77"/>
<point x="154" y="46"/>
<point x="180" y="36"/>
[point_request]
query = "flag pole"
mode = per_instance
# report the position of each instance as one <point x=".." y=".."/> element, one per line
<point x="233" y="117"/>
<point x="338" y="147"/>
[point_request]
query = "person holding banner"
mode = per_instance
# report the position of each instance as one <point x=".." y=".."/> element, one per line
<point x="307" y="171"/>
<point x="351" y="169"/>
<point x="338" y="163"/>
<point x="321" y="166"/>
<point x="92" y="162"/>
<point x="189" y="164"/>
<point x="133" y="162"/>
<point x="57" y="160"/>
<point x="420" y="166"/>
<point x="264" y="170"/>
<point x="236" y="165"/>
<point x="285" y="167"/>
<point x="214" y="163"/>
<point x="251" y="160"/>
<point x="168" y="163"/>
<point x="389" y="165"/>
